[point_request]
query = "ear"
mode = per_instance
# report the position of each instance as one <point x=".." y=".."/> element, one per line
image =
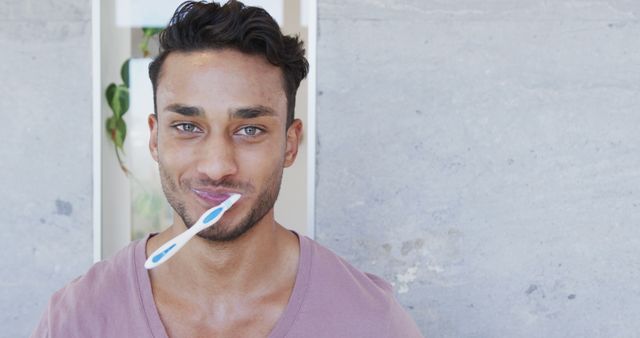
<point x="294" y="137"/>
<point x="153" y="136"/>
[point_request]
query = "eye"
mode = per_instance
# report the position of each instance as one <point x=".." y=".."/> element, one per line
<point x="187" y="128"/>
<point x="250" y="131"/>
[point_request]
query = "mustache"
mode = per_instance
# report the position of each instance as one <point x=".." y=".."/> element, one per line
<point x="223" y="183"/>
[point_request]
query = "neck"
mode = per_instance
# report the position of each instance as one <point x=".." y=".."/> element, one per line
<point x="254" y="264"/>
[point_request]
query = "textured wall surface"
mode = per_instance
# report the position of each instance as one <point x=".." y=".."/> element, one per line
<point x="45" y="165"/>
<point x="484" y="156"/>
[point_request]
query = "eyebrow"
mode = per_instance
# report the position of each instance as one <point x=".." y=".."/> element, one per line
<point x="251" y="112"/>
<point x="185" y="110"/>
<point x="237" y="113"/>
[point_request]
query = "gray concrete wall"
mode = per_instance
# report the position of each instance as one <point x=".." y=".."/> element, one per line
<point x="45" y="165"/>
<point x="484" y="156"/>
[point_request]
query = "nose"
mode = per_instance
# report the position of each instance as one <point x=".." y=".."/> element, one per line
<point x="217" y="158"/>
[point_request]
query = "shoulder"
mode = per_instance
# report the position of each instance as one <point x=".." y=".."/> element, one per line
<point x="101" y="279"/>
<point x="330" y="270"/>
<point x="364" y="302"/>
<point x="74" y="308"/>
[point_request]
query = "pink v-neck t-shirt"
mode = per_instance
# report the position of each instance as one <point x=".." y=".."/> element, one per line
<point x="330" y="299"/>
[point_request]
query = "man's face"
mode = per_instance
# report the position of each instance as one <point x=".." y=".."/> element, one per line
<point x="221" y="129"/>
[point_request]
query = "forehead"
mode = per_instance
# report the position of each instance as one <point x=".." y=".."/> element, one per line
<point x="220" y="80"/>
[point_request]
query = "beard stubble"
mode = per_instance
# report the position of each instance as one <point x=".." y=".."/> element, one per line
<point x="222" y="231"/>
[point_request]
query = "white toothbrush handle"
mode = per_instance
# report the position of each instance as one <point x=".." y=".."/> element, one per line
<point x="168" y="249"/>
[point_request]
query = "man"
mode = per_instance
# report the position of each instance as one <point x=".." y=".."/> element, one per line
<point x="224" y="90"/>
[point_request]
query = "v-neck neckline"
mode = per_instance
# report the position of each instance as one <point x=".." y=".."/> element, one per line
<point x="282" y="326"/>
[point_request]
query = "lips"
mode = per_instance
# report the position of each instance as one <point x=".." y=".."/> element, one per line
<point x="212" y="198"/>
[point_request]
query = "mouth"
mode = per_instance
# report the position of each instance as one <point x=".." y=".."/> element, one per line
<point x="212" y="197"/>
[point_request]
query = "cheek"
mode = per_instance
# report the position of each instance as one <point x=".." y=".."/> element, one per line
<point x="174" y="156"/>
<point x="261" y="162"/>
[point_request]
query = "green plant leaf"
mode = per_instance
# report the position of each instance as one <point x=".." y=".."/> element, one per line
<point x="110" y="92"/>
<point x="123" y="96"/>
<point x="124" y="73"/>
<point x="110" y="126"/>
<point x="150" y="31"/>
<point x="119" y="101"/>
<point x="144" y="48"/>
<point x="120" y="133"/>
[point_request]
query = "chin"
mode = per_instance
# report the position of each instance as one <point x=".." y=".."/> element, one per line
<point x="222" y="232"/>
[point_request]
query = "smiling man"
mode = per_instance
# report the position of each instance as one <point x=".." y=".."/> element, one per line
<point x="224" y="87"/>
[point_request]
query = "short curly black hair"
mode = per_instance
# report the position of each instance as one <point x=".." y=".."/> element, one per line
<point x="198" y="25"/>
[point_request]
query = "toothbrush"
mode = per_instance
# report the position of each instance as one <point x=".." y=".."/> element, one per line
<point x="210" y="217"/>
